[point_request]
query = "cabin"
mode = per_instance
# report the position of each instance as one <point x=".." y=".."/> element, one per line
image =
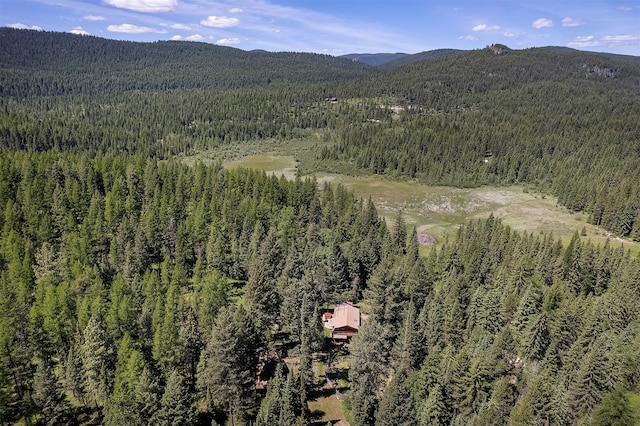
<point x="345" y="322"/>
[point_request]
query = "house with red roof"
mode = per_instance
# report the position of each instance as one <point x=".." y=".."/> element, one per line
<point x="344" y="322"/>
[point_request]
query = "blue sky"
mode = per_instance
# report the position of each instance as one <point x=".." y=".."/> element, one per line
<point x="338" y="27"/>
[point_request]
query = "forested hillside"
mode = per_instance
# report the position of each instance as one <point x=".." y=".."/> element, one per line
<point x="38" y="63"/>
<point x="137" y="289"/>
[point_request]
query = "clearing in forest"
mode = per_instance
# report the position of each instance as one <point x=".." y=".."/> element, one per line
<point x="437" y="211"/>
<point x="323" y="402"/>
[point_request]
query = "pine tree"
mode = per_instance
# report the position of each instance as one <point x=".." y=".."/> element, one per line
<point x="399" y="234"/>
<point x="477" y="387"/>
<point x="97" y="362"/>
<point x="227" y="366"/>
<point x="175" y="406"/>
<point x="280" y="406"/>
<point x="396" y="406"/>
<point x="73" y="374"/>
<point x="369" y="351"/>
<point x="615" y="410"/>
<point x="434" y="410"/>
<point x="129" y="366"/>
<point x="538" y="338"/>
<point x="593" y="380"/>
<point x="146" y="398"/>
<point x="261" y="295"/>
<point x="48" y="396"/>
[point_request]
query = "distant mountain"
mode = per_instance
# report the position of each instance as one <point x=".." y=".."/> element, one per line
<point x="393" y="60"/>
<point x="375" y="59"/>
<point x="422" y="56"/>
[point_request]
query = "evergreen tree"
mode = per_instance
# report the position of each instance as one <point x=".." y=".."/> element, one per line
<point x="369" y="351"/>
<point x="129" y="366"/>
<point x="280" y="405"/>
<point x="146" y="398"/>
<point x="48" y="396"/>
<point x="399" y="234"/>
<point x="396" y="406"/>
<point x="537" y="339"/>
<point x="593" y="380"/>
<point x="227" y="364"/>
<point x="615" y="410"/>
<point x="73" y="374"/>
<point x="97" y="362"/>
<point x="261" y="295"/>
<point x="175" y="406"/>
<point x="434" y="410"/>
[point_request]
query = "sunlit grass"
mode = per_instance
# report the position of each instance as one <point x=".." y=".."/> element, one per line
<point x="434" y="210"/>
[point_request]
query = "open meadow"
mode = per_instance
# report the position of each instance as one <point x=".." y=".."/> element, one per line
<point x="439" y="210"/>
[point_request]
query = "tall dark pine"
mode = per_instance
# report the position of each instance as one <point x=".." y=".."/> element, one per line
<point x="175" y="406"/>
<point x="227" y="365"/>
<point x="48" y="396"/>
<point x="261" y="292"/>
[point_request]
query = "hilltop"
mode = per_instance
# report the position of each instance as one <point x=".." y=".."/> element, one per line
<point x="375" y="59"/>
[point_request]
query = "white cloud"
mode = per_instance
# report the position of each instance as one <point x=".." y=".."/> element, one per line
<point x="625" y="8"/>
<point x="571" y="22"/>
<point x="235" y="10"/>
<point x="468" y="38"/>
<point x="21" y="26"/>
<point x="228" y="41"/>
<point x="542" y="23"/>
<point x="180" y="27"/>
<point x="79" y="31"/>
<point x="484" y="27"/>
<point x="176" y="38"/>
<point x="93" y="18"/>
<point x="194" y="37"/>
<point x="509" y="34"/>
<point x="584" y="41"/>
<point x="132" y="29"/>
<point x="623" y="39"/>
<point x="144" y="5"/>
<point x="220" y="22"/>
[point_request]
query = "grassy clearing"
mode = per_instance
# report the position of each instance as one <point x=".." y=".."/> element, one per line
<point x="434" y="210"/>
<point x="323" y="403"/>
<point x="439" y="211"/>
<point x="247" y="154"/>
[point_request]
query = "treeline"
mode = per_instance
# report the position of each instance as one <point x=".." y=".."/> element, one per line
<point x="133" y="289"/>
<point x="164" y="124"/>
<point x="36" y="63"/>
<point x="505" y="328"/>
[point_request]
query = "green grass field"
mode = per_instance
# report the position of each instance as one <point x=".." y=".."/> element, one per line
<point x="437" y="211"/>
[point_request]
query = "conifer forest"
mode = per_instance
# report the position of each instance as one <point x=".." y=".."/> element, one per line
<point x="138" y="288"/>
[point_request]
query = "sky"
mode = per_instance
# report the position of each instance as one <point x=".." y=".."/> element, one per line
<point x="338" y="27"/>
